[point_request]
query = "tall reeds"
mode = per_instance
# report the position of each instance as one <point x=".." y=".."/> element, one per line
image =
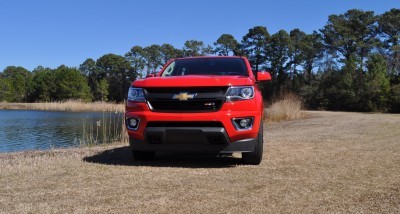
<point x="109" y="129"/>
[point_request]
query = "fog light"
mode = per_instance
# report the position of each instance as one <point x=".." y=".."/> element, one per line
<point x="243" y="123"/>
<point x="132" y="123"/>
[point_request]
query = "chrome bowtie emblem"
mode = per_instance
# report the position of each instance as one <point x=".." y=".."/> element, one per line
<point x="183" y="96"/>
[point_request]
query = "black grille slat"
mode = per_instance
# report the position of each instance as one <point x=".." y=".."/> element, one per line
<point x="184" y="124"/>
<point x="207" y="99"/>
<point x="191" y="90"/>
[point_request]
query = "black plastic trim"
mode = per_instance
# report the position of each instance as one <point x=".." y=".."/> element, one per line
<point x="190" y="139"/>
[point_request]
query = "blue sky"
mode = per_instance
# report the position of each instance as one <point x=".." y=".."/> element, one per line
<point x="51" y="33"/>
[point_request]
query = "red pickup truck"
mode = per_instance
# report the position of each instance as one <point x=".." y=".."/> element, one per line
<point x="198" y="104"/>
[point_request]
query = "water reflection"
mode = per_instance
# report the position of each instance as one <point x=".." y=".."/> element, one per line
<point x="40" y="130"/>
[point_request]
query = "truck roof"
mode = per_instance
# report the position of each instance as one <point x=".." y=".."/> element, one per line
<point x="196" y="57"/>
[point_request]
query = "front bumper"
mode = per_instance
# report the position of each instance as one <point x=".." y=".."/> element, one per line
<point x="229" y="111"/>
<point x="163" y="131"/>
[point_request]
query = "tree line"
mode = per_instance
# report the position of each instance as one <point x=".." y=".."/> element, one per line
<point x="352" y="63"/>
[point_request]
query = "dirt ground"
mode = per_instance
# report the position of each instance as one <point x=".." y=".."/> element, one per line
<point x="329" y="162"/>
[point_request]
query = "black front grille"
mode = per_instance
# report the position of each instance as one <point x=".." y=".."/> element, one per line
<point x="206" y="99"/>
<point x="201" y="105"/>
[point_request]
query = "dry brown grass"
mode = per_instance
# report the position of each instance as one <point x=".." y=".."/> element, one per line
<point x="286" y="108"/>
<point x="71" y="105"/>
<point x="331" y="162"/>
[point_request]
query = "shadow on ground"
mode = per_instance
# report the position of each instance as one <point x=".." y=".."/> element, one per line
<point x="123" y="156"/>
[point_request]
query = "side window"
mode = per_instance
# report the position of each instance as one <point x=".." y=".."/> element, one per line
<point x="168" y="71"/>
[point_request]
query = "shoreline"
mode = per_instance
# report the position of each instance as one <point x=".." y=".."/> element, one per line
<point x="71" y="106"/>
<point x="62" y="150"/>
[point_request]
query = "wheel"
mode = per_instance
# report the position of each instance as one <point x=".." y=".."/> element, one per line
<point x="255" y="157"/>
<point x="143" y="156"/>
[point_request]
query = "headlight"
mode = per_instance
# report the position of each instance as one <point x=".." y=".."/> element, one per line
<point x="240" y="93"/>
<point x="136" y="94"/>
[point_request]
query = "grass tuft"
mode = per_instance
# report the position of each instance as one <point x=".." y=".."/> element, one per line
<point x="288" y="107"/>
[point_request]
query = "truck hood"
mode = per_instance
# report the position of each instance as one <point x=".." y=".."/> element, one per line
<point x="192" y="81"/>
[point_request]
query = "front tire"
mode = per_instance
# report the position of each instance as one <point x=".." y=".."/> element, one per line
<point x="255" y="157"/>
<point x="143" y="156"/>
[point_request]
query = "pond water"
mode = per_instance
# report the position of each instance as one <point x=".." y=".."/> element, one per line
<point x="22" y="130"/>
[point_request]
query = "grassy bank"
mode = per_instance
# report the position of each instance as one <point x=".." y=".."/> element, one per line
<point x="71" y="105"/>
<point x="331" y="162"/>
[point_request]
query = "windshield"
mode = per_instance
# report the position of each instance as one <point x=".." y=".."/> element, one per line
<point x="206" y="66"/>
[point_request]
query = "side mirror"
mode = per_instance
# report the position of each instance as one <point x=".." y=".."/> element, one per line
<point x="263" y="76"/>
